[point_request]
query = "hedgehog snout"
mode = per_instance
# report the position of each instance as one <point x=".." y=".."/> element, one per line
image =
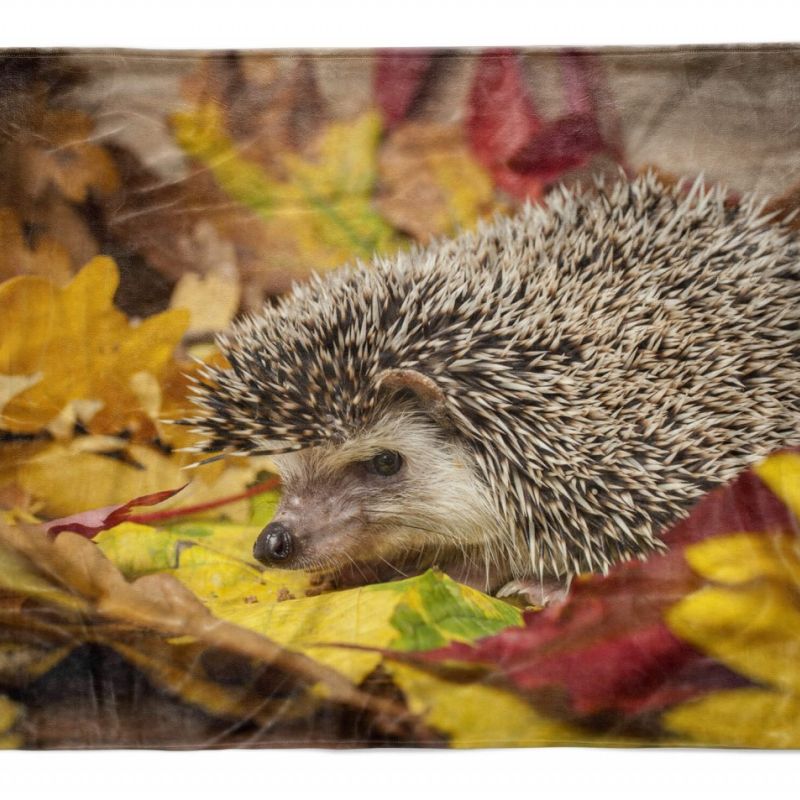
<point x="275" y="544"/>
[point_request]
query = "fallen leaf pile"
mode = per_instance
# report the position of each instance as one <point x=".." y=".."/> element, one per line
<point x="144" y="204"/>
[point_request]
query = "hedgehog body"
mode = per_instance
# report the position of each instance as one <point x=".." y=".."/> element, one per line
<point x="534" y="399"/>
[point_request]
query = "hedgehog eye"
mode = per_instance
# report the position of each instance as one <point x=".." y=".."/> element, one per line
<point x="386" y="463"/>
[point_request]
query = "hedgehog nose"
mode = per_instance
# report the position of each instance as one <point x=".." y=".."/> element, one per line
<point x="275" y="543"/>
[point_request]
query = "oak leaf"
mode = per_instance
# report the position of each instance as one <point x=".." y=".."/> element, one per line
<point x="80" y="355"/>
<point x="62" y="152"/>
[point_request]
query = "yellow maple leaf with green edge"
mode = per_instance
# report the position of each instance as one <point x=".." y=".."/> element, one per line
<point x="72" y="355"/>
<point x="747" y="617"/>
<point x="324" y="205"/>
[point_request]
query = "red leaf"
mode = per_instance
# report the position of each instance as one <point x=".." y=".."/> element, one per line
<point x="502" y="120"/>
<point x="90" y="523"/>
<point x="607" y="648"/>
<point x="564" y="144"/>
<point x="399" y="76"/>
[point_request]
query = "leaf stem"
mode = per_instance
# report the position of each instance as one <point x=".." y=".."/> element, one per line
<point x="185" y="511"/>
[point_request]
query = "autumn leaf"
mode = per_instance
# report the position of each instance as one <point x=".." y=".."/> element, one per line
<point x="502" y="120"/>
<point x="167" y="623"/>
<point x="746" y="616"/>
<point x="91" y="472"/>
<point x="430" y="183"/>
<point x="323" y="207"/>
<point x="215" y="561"/>
<point x="399" y="77"/>
<point x="665" y="646"/>
<point x="10" y="713"/>
<point x="83" y="358"/>
<point x="570" y="140"/>
<point x="211" y="299"/>
<point x="89" y="523"/>
<point x="524" y="151"/>
<point x="45" y="257"/>
<point x="475" y="714"/>
<point x="63" y="153"/>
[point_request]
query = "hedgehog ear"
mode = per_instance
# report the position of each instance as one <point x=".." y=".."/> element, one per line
<point x="423" y="388"/>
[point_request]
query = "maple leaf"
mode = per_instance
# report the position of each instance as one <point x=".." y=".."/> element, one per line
<point x="323" y="209"/>
<point x="80" y="357"/>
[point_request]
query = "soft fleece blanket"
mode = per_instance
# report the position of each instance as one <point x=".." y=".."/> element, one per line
<point x="148" y="199"/>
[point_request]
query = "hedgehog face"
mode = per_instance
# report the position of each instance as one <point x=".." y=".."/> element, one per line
<point x="394" y="499"/>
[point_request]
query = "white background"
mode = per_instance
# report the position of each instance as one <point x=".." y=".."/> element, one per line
<point x="494" y="775"/>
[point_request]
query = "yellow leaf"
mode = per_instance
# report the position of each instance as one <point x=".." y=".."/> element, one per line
<point x="212" y="300"/>
<point x="749" y="619"/>
<point x="416" y="613"/>
<point x="162" y="618"/>
<point x="749" y="717"/>
<point x="753" y="630"/>
<point x="71" y="477"/>
<point x="10" y="713"/>
<point x="355" y="616"/>
<point x="323" y="205"/>
<point x="781" y="472"/>
<point x="476" y="715"/>
<point x="215" y="562"/>
<point x="741" y="557"/>
<point x="83" y="348"/>
<point x="752" y="624"/>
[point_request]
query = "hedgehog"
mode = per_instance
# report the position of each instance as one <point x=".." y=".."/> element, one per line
<point x="537" y="398"/>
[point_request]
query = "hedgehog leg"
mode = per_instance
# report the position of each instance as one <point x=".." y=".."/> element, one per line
<point x="548" y="592"/>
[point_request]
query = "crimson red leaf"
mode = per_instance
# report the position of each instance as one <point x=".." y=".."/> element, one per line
<point x="90" y="523"/>
<point x="564" y="144"/>
<point x="399" y="76"/>
<point x="502" y="119"/>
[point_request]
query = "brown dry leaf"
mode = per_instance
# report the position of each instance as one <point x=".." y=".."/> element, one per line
<point x="430" y="184"/>
<point x="45" y="257"/>
<point x="271" y="103"/>
<point x="186" y="225"/>
<point x="80" y="355"/>
<point x="160" y="605"/>
<point x="61" y="151"/>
